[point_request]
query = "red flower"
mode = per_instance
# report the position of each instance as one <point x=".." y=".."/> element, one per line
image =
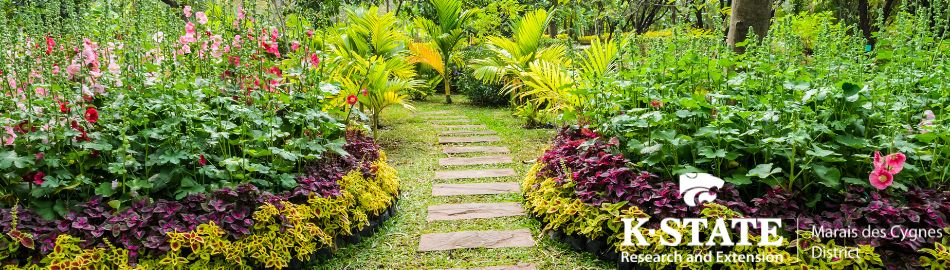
<point x="63" y="108"/>
<point x="49" y="45"/>
<point x="351" y="99"/>
<point x="236" y="60"/>
<point x="276" y="71"/>
<point x="656" y="103"/>
<point x="201" y="160"/>
<point x="91" y="115"/>
<point x="314" y="59"/>
<point x="365" y="93"/>
<point x="38" y="178"/>
<point x="82" y="136"/>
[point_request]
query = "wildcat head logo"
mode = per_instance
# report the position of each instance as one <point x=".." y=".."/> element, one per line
<point x="694" y="187"/>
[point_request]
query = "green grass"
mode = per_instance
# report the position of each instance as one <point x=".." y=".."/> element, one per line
<point x="411" y="145"/>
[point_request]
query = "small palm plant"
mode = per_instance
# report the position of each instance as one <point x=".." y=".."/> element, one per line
<point x="512" y="56"/>
<point x="447" y="34"/>
<point x="371" y="62"/>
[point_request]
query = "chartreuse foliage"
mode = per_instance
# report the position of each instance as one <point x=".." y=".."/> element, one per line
<point x="282" y="231"/>
<point x="557" y="206"/>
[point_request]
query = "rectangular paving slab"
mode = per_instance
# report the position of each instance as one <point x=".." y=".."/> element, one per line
<point x="459" y="126"/>
<point x="476" y="239"/>
<point x="474" y="149"/>
<point x="483" y="160"/>
<point x="435" y="112"/>
<point x="473" y="211"/>
<point x="475" y="189"/>
<point x="466" y="132"/>
<point x="501" y="267"/>
<point x="463" y="174"/>
<point x="475" y="139"/>
<point x="451" y="121"/>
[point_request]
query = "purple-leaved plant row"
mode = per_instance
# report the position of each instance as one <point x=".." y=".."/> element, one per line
<point x="142" y="228"/>
<point x="602" y="175"/>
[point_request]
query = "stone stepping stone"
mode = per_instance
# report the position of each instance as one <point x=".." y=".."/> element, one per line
<point x="475" y="189"/>
<point x="483" y="160"/>
<point x="476" y="139"/>
<point x="466" y="132"/>
<point x="501" y="267"/>
<point x="474" y="149"/>
<point x="474" y="211"/>
<point x="443" y="117"/>
<point x="476" y="239"/>
<point x="460" y="126"/>
<point x="452" y="121"/>
<point x="488" y="173"/>
<point x="435" y="112"/>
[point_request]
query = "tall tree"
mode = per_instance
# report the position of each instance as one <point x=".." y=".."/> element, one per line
<point x="447" y="32"/>
<point x="755" y="14"/>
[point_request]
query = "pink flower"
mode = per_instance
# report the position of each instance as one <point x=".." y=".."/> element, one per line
<point x="929" y="115"/>
<point x="365" y="92"/>
<point x="202" y="18"/>
<point x="38" y="178"/>
<point x="294" y="46"/>
<point x="881" y="179"/>
<point x="91" y="115"/>
<point x="656" y="103"/>
<point x="40" y="155"/>
<point x="50" y="43"/>
<point x="240" y="14"/>
<point x="114" y="68"/>
<point x="90" y="57"/>
<point x="41" y="91"/>
<point x="11" y="137"/>
<point x="72" y="69"/>
<point x="895" y="162"/>
<point x="310" y="33"/>
<point x="201" y="160"/>
<point x="187" y="11"/>
<point x="189" y="36"/>
<point x="55" y="70"/>
<point x="314" y="59"/>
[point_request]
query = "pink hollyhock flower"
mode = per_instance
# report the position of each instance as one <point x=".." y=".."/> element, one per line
<point x="895" y="162"/>
<point x="241" y="14"/>
<point x="50" y="43"/>
<point x="881" y="179"/>
<point x="276" y="71"/>
<point x="273" y="34"/>
<point x="12" y="136"/>
<point x="114" y="67"/>
<point x="40" y="155"/>
<point x="201" y="160"/>
<point x="294" y="46"/>
<point x="90" y="57"/>
<point x="310" y="33"/>
<point x="41" y="91"/>
<point x="72" y="69"/>
<point x="55" y="69"/>
<point x="187" y="11"/>
<point x="185" y="49"/>
<point x="365" y="92"/>
<point x="236" y="43"/>
<point x="11" y="81"/>
<point x="202" y="18"/>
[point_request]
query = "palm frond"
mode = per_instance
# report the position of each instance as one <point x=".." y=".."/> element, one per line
<point x="427" y="54"/>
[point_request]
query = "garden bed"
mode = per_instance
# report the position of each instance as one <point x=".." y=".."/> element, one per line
<point x="580" y="190"/>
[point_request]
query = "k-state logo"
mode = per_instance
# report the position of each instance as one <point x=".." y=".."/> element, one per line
<point x="694" y="187"/>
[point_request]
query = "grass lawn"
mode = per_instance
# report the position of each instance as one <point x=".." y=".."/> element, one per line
<point x="412" y="147"/>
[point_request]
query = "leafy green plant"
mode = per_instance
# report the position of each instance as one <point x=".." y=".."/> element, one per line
<point x="447" y="33"/>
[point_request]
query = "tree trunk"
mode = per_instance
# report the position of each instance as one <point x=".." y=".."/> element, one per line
<point x="864" y="21"/>
<point x="448" y="84"/>
<point x="756" y="14"/>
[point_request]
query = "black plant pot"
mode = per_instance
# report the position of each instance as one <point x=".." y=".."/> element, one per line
<point x="596" y="246"/>
<point x="578" y="243"/>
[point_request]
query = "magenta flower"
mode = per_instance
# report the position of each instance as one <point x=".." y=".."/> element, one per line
<point x="187" y="11"/>
<point x="895" y="162"/>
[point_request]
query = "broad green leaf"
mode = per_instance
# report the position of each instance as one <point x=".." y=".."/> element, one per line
<point x="763" y="170"/>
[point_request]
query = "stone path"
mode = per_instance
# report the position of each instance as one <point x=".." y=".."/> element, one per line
<point x="456" y="135"/>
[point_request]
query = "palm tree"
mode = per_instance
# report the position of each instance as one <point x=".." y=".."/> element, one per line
<point x="370" y="61"/>
<point x="447" y="34"/>
<point x="512" y="56"/>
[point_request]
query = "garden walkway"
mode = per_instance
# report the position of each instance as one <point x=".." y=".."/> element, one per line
<point x="460" y="205"/>
<point x="454" y="141"/>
